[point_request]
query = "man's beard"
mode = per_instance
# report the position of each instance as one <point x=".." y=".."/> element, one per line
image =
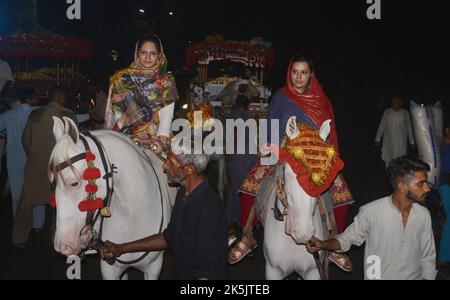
<point x="177" y="181"/>
<point x="416" y="199"/>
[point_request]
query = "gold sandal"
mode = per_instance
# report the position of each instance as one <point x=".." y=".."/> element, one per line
<point x="239" y="251"/>
<point x="341" y="260"/>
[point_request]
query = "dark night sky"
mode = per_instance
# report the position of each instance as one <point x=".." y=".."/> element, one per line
<point x="407" y="47"/>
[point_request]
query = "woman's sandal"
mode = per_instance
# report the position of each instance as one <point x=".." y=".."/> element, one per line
<point x="341" y="260"/>
<point x="240" y="250"/>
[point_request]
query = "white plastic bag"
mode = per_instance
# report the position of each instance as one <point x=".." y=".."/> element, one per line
<point x="428" y="131"/>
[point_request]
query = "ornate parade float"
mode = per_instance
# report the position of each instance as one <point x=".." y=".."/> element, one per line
<point x="38" y="57"/>
<point x="60" y="56"/>
<point x="256" y="56"/>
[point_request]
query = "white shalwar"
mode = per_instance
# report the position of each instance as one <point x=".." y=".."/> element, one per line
<point x="395" y="129"/>
<point x="393" y="251"/>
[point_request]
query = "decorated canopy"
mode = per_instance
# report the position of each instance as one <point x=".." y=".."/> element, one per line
<point x="257" y="55"/>
<point x="30" y="46"/>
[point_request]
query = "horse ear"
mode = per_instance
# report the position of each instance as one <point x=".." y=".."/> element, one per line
<point x="58" y="128"/>
<point x="291" y="128"/>
<point x="325" y="130"/>
<point x="72" y="129"/>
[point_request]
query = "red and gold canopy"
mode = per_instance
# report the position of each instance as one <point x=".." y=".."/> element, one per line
<point x="258" y="55"/>
<point x="30" y="46"/>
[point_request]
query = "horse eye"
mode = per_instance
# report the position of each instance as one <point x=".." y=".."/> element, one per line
<point x="75" y="184"/>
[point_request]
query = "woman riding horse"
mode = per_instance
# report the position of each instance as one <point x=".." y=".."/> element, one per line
<point x="142" y="96"/>
<point x="304" y="98"/>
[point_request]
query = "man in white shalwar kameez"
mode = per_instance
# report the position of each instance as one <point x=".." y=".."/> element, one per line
<point x="395" y="129"/>
<point x="397" y="229"/>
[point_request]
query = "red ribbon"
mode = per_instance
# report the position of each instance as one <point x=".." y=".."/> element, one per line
<point x="53" y="200"/>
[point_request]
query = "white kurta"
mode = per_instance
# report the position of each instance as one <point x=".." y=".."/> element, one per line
<point x="405" y="253"/>
<point x="395" y="129"/>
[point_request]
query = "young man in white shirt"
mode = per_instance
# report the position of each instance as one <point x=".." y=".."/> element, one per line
<point x="396" y="229"/>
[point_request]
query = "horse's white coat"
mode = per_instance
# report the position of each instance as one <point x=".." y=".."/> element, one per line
<point x="284" y="242"/>
<point x="138" y="207"/>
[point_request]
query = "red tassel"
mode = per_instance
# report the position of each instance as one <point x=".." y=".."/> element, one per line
<point x="90" y="205"/>
<point x="90" y="156"/>
<point x="91" y="188"/>
<point x="96" y="204"/>
<point x="53" y="200"/>
<point x="91" y="174"/>
<point x="83" y="206"/>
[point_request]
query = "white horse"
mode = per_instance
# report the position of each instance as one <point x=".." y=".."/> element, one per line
<point x="284" y="242"/>
<point x="139" y="204"/>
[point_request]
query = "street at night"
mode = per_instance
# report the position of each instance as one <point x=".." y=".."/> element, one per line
<point x="92" y="93"/>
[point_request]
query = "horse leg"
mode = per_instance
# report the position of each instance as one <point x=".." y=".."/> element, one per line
<point x="152" y="271"/>
<point x="311" y="274"/>
<point x="111" y="272"/>
<point x="273" y="273"/>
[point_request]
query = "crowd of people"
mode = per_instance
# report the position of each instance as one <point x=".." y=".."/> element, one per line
<point x="202" y="235"/>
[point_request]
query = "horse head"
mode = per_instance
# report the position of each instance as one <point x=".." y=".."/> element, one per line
<point x="70" y="189"/>
<point x="299" y="204"/>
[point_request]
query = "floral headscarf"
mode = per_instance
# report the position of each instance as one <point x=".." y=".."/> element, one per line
<point x="137" y="93"/>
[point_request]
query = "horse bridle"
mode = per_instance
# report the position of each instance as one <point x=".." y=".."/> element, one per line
<point x="110" y="170"/>
<point x="281" y="197"/>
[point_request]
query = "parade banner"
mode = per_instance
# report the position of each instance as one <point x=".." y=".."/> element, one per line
<point x="29" y="46"/>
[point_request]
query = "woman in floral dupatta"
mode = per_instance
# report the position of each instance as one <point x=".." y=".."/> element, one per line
<point x="142" y="96"/>
<point x="304" y="98"/>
